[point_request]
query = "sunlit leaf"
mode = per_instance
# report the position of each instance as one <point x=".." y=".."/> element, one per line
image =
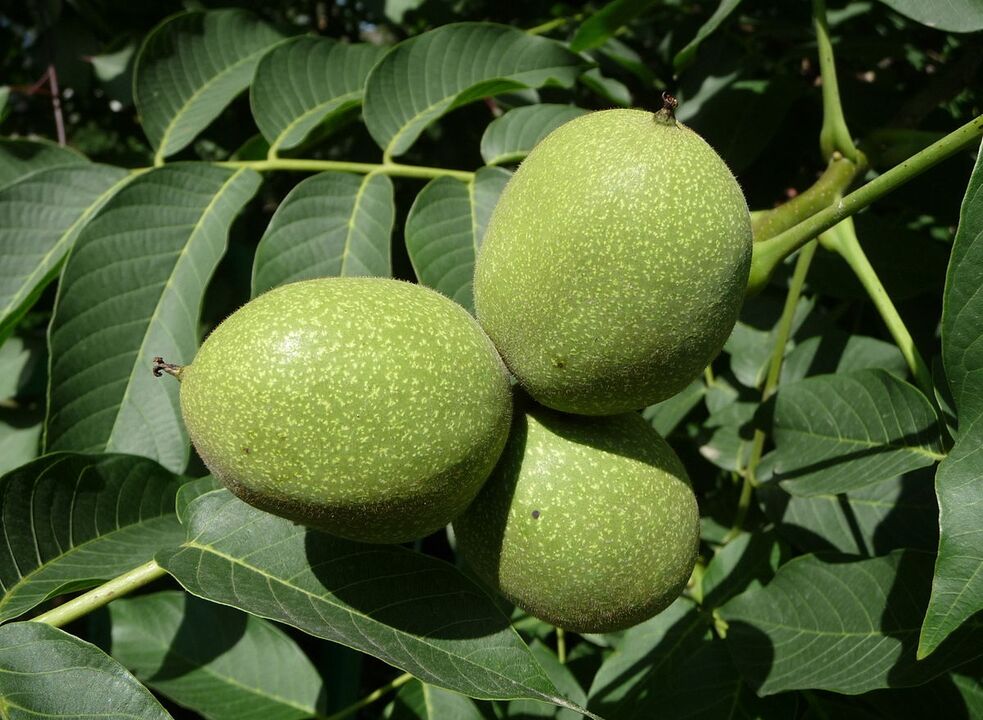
<point x="331" y="224"/>
<point x="131" y="290"/>
<point x="47" y="673"/>
<point x="190" y="67"/>
<point x="429" y="75"/>
<point x="304" y="81"/>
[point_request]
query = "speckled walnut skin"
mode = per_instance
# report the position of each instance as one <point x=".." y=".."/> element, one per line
<point x="615" y="263"/>
<point x="587" y="523"/>
<point x="370" y="408"/>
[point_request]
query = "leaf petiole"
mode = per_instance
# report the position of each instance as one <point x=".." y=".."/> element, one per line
<point x="385" y="168"/>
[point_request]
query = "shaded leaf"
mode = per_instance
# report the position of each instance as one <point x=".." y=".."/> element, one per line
<point x="429" y="75"/>
<point x="614" y="91"/>
<point x="685" y="56"/>
<point x="189" y="69"/>
<point x="748" y="560"/>
<point x="606" y="22"/>
<point x="304" y="81"/>
<point x="848" y="627"/>
<point x="445" y="227"/>
<point x="834" y="351"/>
<point x="40" y="218"/>
<point x="45" y="672"/>
<point x="411" y="611"/>
<point x="753" y="337"/>
<point x="951" y="15"/>
<point x="509" y="139"/>
<point x="666" y="415"/>
<point x="20" y="158"/>
<point x="219" y="662"/>
<point x="19" y="361"/>
<point x="73" y="521"/>
<point x="835" y="433"/>
<point x="331" y="224"/>
<point x="192" y="490"/>
<point x="419" y="701"/>
<point x="561" y="677"/>
<point x="672" y="667"/>
<point x="131" y="290"/>
<point x="20" y="437"/>
<point x="872" y="520"/>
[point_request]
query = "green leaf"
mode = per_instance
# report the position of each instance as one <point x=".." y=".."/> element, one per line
<point x="510" y="138"/>
<point x="219" y="662"/>
<point x="304" y="81"/>
<point x="951" y="15"/>
<point x="21" y="158"/>
<point x="445" y="227"/>
<point x="753" y="337"/>
<point x="611" y="90"/>
<point x="666" y="415"/>
<point x="671" y="668"/>
<point x="20" y="436"/>
<point x="606" y="22"/>
<point x="20" y="361"/>
<point x="685" y="56"/>
<point x="131" y="290"/>
<point x="872" y="520"/>
<point x="73" y="521"/>
<point x="192" y="490"/>
<point x="748" y="560"/>
<point x="190" y="67"/>
<point x="47" y="673"/>
<point x="962" y="310"/>
<point x="847" y="627"/>
<point x="563" y="679"/>
<point x="835" y="433"/>
<point x="411" y="611"/>
<point x="419" y="701"/>
<point x="40" y="218"/>
<point x="431" y="74"/>
<point x="330" y="224"/>
<point x="835" y="351"/>
<point x="957" y="589"/>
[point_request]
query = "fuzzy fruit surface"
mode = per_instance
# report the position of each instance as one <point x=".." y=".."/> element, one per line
<point x="587" y="523"/>
<point x="615" y="263"/>
<point x="372" y="409"/>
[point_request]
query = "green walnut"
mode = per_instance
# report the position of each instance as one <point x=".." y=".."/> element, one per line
<point x="370" y="408"/>
<point x="615" y="262"/>
<point x="588" y="523"/>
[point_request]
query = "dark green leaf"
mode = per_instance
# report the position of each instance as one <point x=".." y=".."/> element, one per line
<point x="419" y="701"/>
<point x="445" y="227"/>
<point x="606" y="22"/>
<point x="40" y="218"/>
<point x="47" y="673"/>
<point x="221" y="663"/>
<point x="666" y="415"/>
<point x="20" y="436"/>
<point x="131" y="290"/>
<point x="951" y="15"/>
<point x="753" y="337"/>
<point x="835" y="351"/>
<point x="21" y="158"/>
<point x="835" y="433"/>
<point x="73" y="521"/>
<point x="613" y="91"/>
<point x="848" y="627"/>
<point x="306" y="80"/>
<point x="429" y="75"/>
<point x="957" y="590"/>
<point x="562" y="678"/>
<point x="190" y="67"/>
<point x="872" y="520"/>
<point x="191" y="490"/>
<point x="412" y="611"/>
<point x="509" y="138"/>
<point x="685" y="56"/>
<point x="332" y="224"/>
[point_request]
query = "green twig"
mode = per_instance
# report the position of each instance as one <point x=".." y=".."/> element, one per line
<point x="553" y="24"/>
<point x="371" y="697"/>
<point x="102" y="595"/>
<point x="843" y="240"/>
<point x="561" y="646"/>
<point x="834" y="136"/>
<point x="386" y="168"/>
<point x="769" y="254"/>
<point x="784" y="332"/>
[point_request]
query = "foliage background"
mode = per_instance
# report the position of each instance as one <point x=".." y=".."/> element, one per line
<point x="751" y="86"/>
